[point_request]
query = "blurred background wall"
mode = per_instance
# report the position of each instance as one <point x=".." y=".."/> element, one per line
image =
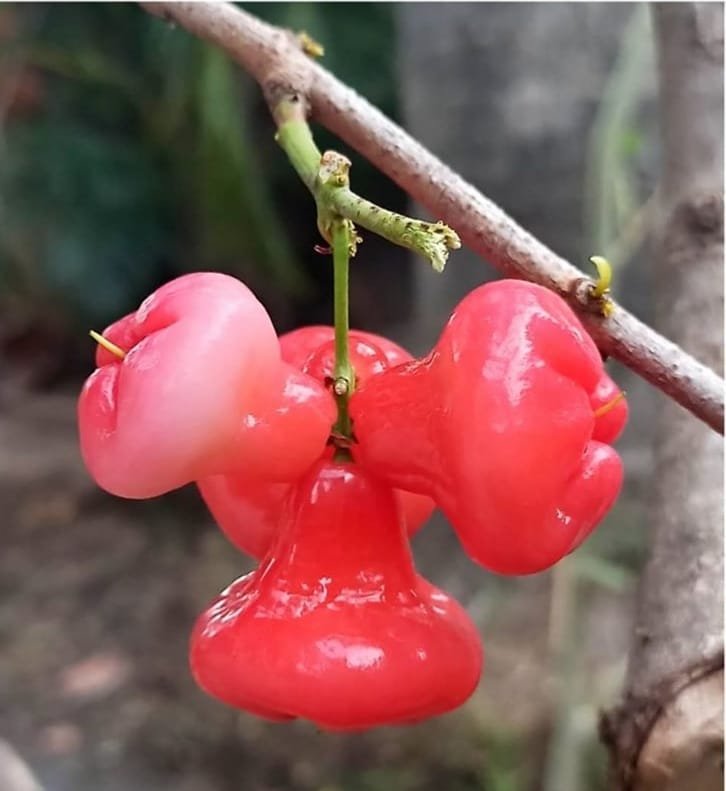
<point x="131" y="153"/>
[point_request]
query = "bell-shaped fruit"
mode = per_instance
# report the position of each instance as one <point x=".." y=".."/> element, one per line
<point x="198" y="392"/>
<point x="498" y="424"/>
<point x="335" y="626"/>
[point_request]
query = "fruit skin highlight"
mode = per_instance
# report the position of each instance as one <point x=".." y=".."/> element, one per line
<point x="193" y="393"/>
<point x="497" y="424"/>
<point x="335" y="626"/>
<point x="247" y="509"/>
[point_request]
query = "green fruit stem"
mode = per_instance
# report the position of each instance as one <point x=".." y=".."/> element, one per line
<point x="344" y="376"/>
<point x="433" y="241"/>
<point x="296" y="139"/>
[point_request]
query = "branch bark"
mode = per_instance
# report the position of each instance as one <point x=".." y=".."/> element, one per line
<point x="274" y="58"/>
<point x="667" y="734"/>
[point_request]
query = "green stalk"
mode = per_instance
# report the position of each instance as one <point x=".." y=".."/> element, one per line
<point x="432" y="240"/>
<point x="297" y="141"/>
<point x="343" y="372"/>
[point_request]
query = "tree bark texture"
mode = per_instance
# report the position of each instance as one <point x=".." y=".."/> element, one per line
<point x="667" y="734"/>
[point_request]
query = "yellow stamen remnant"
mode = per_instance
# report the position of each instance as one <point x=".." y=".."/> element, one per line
<point x="106" y="343"/>
<point x="611" y="404"/>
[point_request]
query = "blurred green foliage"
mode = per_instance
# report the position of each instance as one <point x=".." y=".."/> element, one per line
<point x="615" y="206"/>
<point x="150" y="153"/>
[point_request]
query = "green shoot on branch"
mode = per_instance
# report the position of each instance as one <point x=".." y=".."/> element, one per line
<point x="327" y="178"/>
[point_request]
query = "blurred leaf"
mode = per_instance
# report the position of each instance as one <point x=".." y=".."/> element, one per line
<point x="621" y="540"/>
<point x="611" y="193"/>
<point x="169" y="61"/>
<point x="82" y="64"/>
<point x="504" y="766"/>
<point x="625" y="202"/>
<point x="89" y="208"/>
<point x="601" y="572"/>
<point x="403" y="779"/>
<point x="631" y="142"/>
<point x="233" y="194"/>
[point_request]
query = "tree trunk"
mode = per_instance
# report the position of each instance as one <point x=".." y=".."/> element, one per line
<point x="667" y="734"/>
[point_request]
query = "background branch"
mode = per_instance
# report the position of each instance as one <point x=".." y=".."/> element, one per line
<point x="274" y="58"/>
<point x="668" y="732"/>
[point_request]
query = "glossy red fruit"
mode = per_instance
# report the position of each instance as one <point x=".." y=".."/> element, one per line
<point x="200" y="385"/>
<point x="335" y="626"/>
<point x="248" y="510"/>
<point x="281" y="439"/>
<point x="497" y="424"/>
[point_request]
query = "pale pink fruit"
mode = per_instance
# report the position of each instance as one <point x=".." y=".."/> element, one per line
<point x="202" y="365"/>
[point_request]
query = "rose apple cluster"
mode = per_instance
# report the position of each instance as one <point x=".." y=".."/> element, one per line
<point x="506" y="426"/>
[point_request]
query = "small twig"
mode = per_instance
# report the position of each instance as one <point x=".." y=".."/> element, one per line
<point x="327" y="177"/>
<point x="274" y="58"/>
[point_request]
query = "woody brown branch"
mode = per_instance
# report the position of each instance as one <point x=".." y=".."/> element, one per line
<point x="274" y="58"/>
